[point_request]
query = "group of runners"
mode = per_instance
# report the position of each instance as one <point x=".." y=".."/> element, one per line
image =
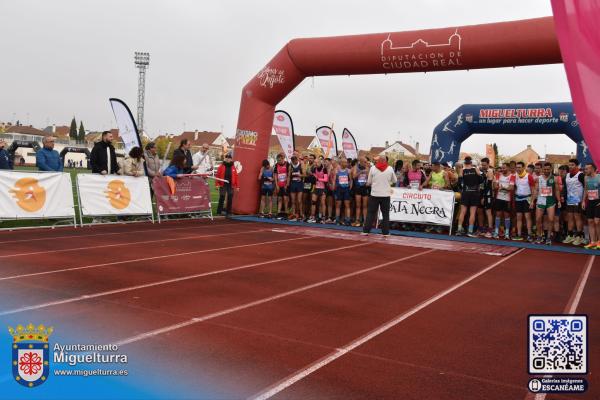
<point x="315" y="189"/>
<point x="530" y="202"/>
<point x="514" y="201"/>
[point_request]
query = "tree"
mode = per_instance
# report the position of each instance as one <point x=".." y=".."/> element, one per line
<point x="73" y="130"/>
<point x="496" y="158"/>
<point x="162" y="142"/>
<point x="81" y="135"/>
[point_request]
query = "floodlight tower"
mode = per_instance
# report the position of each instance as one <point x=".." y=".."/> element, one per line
<point x="142" y="61"/>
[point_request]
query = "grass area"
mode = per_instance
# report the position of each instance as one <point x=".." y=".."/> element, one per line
<point x="4" y="224"/>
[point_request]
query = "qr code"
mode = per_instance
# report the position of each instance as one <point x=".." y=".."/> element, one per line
<point x="557" y="344"/>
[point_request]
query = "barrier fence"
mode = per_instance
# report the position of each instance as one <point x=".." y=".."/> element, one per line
<point x="33" y="199"/>
<point x="36" y="196"/>
<point x="113" y="195"/>
<point x="186" y="195"/>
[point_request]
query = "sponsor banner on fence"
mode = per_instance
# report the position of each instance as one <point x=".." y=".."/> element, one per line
<point x="422" y="206"/>
<point x="113" y="195"/>
<point x="35" y="195"/>
<point x="284" y="129"/>
<point x="189" y="194"/>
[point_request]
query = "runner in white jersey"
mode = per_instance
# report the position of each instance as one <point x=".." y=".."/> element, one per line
<point x="504" y="184"/>
<point x="574" y="184"/>
<point x="524" y="184"/>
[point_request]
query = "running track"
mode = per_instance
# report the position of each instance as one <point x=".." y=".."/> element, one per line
<point x="275" y="313"/>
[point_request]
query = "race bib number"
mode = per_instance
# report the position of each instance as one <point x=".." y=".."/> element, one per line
<point x="268" y="184"/>
<point x="414" y="185"/>
<point x="281" y="178"/>
<point x="343" y="179"/>
<point x="546" y="191"/>
<point x="592" y="194"/>
<point x="308" y="186"/>
<point x="362" y="180"/>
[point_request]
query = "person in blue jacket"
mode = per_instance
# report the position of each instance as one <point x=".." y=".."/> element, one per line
<point x="176" y="167"/>
<point x="47" y="159"/>
<point x="5" y="162"/>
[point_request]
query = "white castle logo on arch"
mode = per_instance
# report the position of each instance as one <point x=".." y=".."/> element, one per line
<point x="422" y="55"/>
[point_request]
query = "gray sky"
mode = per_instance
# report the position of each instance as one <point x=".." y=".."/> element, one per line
<point x="64" y="57"/>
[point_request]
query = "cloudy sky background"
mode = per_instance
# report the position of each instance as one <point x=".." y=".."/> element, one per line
<point x="65" y="58"/>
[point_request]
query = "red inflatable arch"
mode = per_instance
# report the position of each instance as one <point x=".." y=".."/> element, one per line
<point x="503" y="44"/>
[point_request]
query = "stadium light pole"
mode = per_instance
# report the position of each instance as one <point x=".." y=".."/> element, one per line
<point x="142" y="62"/>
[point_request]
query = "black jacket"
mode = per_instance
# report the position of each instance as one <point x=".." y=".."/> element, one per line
<point x="5" y="161"/>
<point x="99" y="161"/>
<point x="189" y="162"/>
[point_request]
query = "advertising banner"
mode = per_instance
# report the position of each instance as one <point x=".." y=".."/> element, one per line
<point x="422" y="206"/>
<point x="188" y="195"/>
<point x="349" y="145"/>
<point x="26" y="195"/>
<point x="113" y="195"/>
<point x="327" y="140"/>
<point x="284" y="130"/>
<point x="127" y="128"/>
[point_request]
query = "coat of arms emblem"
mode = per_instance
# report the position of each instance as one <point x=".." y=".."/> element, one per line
<point x="30" y="354"/>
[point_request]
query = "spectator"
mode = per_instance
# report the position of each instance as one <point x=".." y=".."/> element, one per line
<point x="381" y="178"/>
<point x="227" y="172"/>
<point x="103" y="157"/>
<point x="399" y="171"/>
<point x="48" y="159"/>
<point x="152" y="161"/>
<point x="5" y="161"/>
<point x="202" y="161"/>
<point x="184" y="149"/>
<point x="133" y="163"/>
<point x="176" y="167"/>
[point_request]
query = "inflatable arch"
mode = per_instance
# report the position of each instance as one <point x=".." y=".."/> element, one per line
<point x="21" y="143"/>
<point x="503" y="44"/>
<point x="81" y="150"/>
<point x="537" y="118"/>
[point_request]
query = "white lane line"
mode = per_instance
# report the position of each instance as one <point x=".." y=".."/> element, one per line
<point x="128" y="243"/>
<point x="173" y="280"/>
<point x="6" y="278"/>
<point x="570" y="308"/>
<point x="309" y="369"/>
<point x="196" y="320"/>
<point x="157" y="230"/>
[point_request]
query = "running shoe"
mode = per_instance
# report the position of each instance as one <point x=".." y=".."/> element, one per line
<point x="311" y="220"/>
<point x="292" y="218"/>
<point x="262" y="216"/>
<point x="507" y="237"/>
<point x="518" y="238"/>
<point x="356" y="223"/>
<point x="577" y="241"/>
<point x="591" y="246"/>
<point x="539" y="240"/>
<point x="549" y="241"/>
<point x="439" y="229"/>
<point x="429" y="229"/>
<point x="568" y="239"/>
<point x="472" y="234"/>
<point x="460" y="232"/>
<point x="488" y="234"/>
<point x="270" y="216"/>
<point x="495" y="235"/>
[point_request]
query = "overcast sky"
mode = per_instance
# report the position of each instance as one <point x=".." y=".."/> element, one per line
<point x="62" y="58"/>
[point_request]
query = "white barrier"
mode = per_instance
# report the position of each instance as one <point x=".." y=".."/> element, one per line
<point x="36" y="195"/>
<point x="113" y="195"/>
<point x="422" y="206"/>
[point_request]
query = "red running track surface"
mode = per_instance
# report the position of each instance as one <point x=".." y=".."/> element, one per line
<point x="262" y="310"/>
